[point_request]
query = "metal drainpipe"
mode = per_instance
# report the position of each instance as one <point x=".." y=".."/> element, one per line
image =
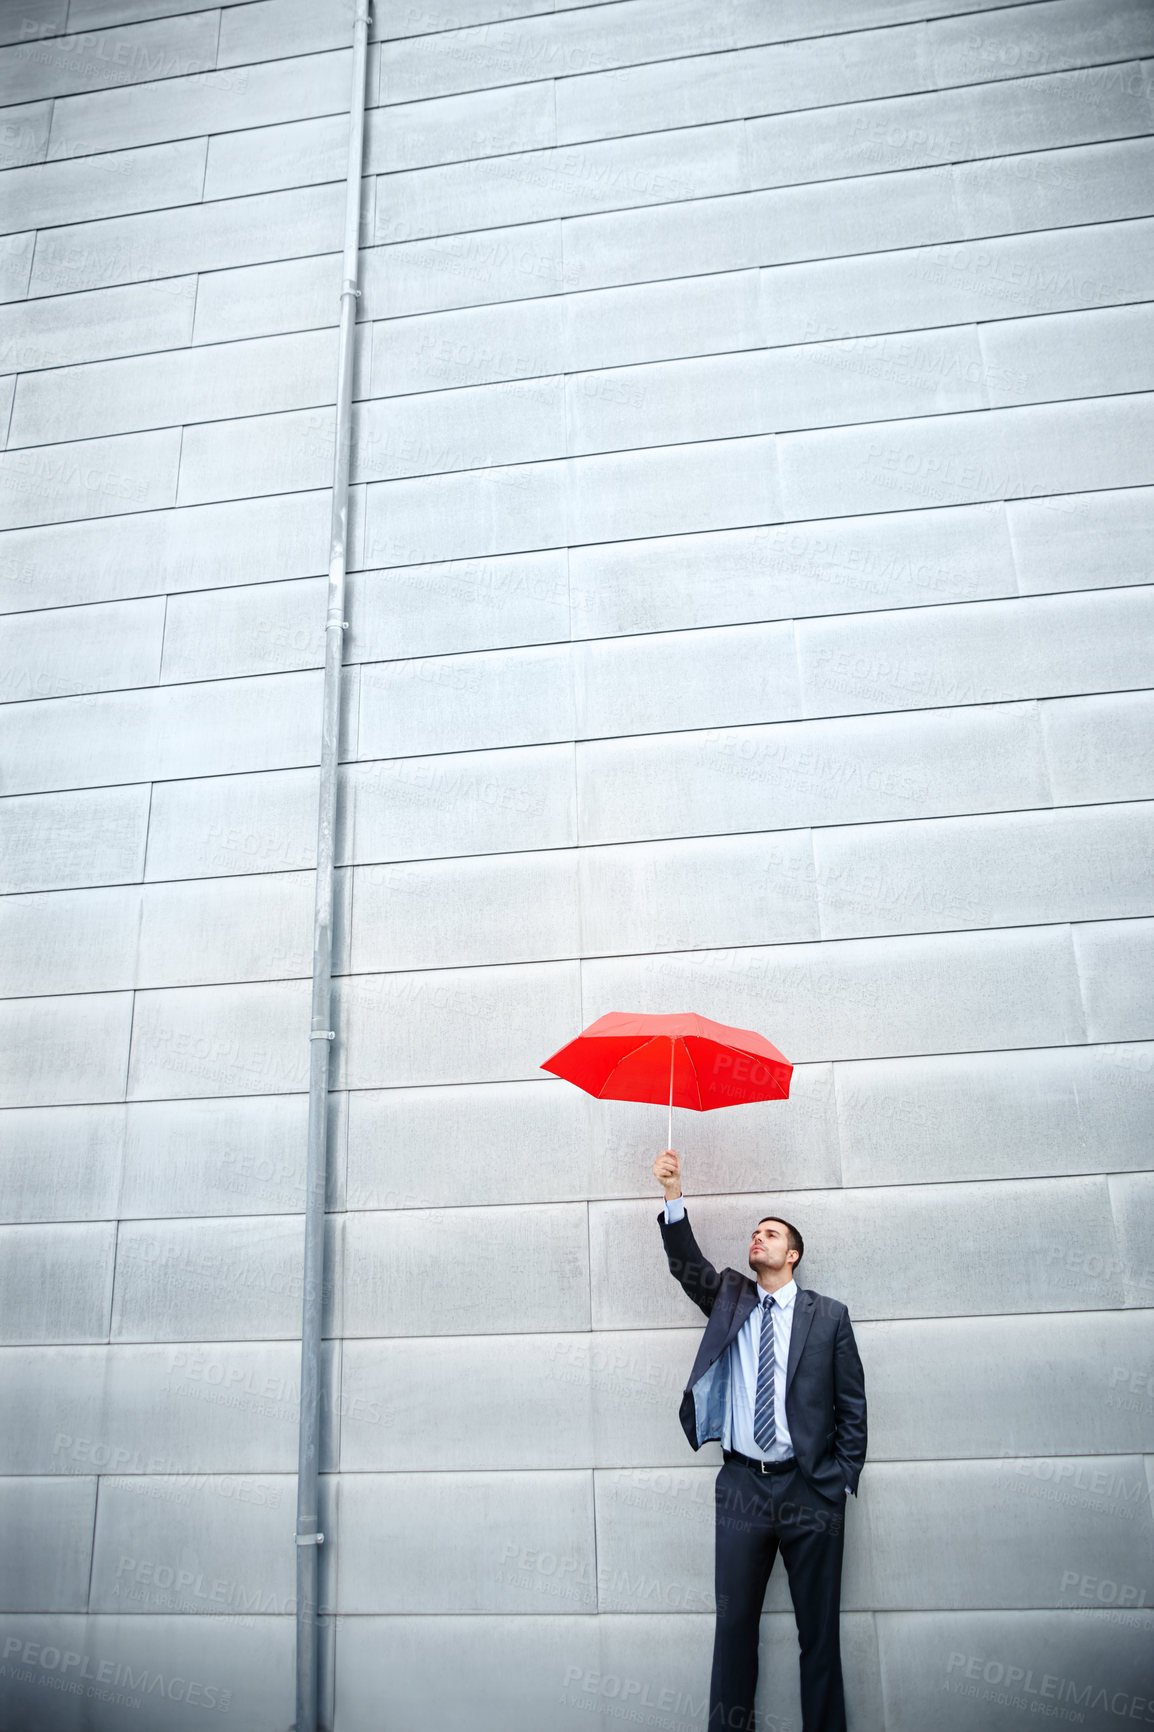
<point x="308" y="1538"/>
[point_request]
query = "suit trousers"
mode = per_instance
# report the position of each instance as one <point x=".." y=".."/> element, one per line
<point x="755" y="1515"/>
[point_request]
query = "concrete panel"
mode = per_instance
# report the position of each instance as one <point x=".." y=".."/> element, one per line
<point x="1080" y="34"/>
<point x="281" y="453"/>
<point x="1015" y="1246"/>
<point x="129" y="54"/>
<point x="438" y="351"/>
<point x="219" y="101"/>
<point x="208" y="1544"/>
<point x="220" y="1040"/>
<point x="658" y="321"/>
<point x="569" y="1667"/>
<point x="995" y="1115"/>
<point x="537" y="1142"/>
<point x="729" y="86"/>
<point x="57" y="1281"/>
<point x="914" y="207"/>
<point x="70" y="941"/>
<point x="1011" y="1388"/>
<point x="813" y="385"/>
<point x="402" y="1403"/>
<point x="58" y="653"/>
<point x="224" y="1280"/>
<point x="97" y="325"/>
<point x="516" y="422"/>
<point x="1084" y="354"/>
<point x="161" y="1665"/>
<point x="402" y="1267"/>
<point x="793" y="774"/>
<point x="491" y="511"/>
<point x="479" y="123"/>
<point x="723" y="678"/>
<point x="61" y="1162"/>
<point x="50" y="193"/>
<point x="92" y="478"/>
<point x="1016" y="1543"/>
<point x="456" y="605"/>
<point x="721" y="1151"/>
<point x="233" y="928"/>
<point x="477" y="803"/>
<point x="1002" y="276"/>
<point x="778" y="226"/>
<point x="1114" y="958"/>
<point x="24" y="134"/>
<point x="486" y="1542"/>
<point x="786" y="571"/>
<point x="206" y="546"/>
<point x="265" y="628"/>
<point x="200" y="384"/>
<point x="434" y="15"/>
<point x="517" y="697"/>
<point x="996" y="870"/>
<point x="1053" y="188"/>
<point x="1104" y="542"/>
<point x="490" y="192"/>
<point x="224" y="1157"/>
<point x="451" y="913"/>
<point x="233" y="824"/>
<point x="47" y="1526"/>
<point x="16" y="265"/>
<point x="585" y="39"/>
<point x="665" y="492"/>
<point x="995" y="454"/>
<point x="1132" y="1200"/>
<point x="1099" y="748"/>
<point x="60" y="1050"/>
<point x="278" y="27"/>
<point x="258" y="300"/>
<point x="199" y="237"/>
<point x="676" y="895"/>
<point x="524" y="1142"/>
<point x="41" y="18"/>
<point x="270" y="158"/>
<point x="465" y="270"/>
<point x="84" y="14"/>
<point x="945" y="1668"/>
<point x="220" y="1407"/>
<point x="61" y="841"/>
<point x="992" y="119"/>
<point x="869" y="997"/>
<point x="452" y="1025"/>
<point x="213" y="728"/>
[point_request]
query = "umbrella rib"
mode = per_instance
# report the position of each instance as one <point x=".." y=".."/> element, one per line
<point x="632" y="1053"/>
<point x="696" y="1078"/>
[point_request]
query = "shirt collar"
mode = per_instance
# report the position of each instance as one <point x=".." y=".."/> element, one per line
<point x="784" y="1296"/>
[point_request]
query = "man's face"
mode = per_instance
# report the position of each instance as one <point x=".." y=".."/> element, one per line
<point x="769" y="1252"/>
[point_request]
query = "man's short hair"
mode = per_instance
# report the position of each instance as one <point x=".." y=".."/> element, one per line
<point x="794" y="1238"/>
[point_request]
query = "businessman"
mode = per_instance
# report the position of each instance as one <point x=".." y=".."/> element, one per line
<point x="778" y="1381"/>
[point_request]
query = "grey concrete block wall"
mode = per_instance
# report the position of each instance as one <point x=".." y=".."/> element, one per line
<point x="749" y="612"/>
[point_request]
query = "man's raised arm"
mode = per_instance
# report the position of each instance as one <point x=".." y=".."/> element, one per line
<point x="687" y="1262"/>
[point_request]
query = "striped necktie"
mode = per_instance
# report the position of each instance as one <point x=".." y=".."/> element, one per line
<point x="764" y="1426"/>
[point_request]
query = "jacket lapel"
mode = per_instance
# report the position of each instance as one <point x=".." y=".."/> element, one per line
<point x="802" y="1318"/>
<point x="746" y="1300"/>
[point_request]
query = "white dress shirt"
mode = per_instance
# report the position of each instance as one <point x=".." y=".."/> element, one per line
<point x="745" y="1350"/>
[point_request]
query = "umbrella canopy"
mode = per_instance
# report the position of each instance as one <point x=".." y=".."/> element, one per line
<point x="685" y="1060"/>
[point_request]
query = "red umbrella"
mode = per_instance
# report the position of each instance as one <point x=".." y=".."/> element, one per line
<point x="686" y="1059"/>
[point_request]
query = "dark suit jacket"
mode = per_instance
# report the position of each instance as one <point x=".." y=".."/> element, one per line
<point x="825" y="1405"/>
